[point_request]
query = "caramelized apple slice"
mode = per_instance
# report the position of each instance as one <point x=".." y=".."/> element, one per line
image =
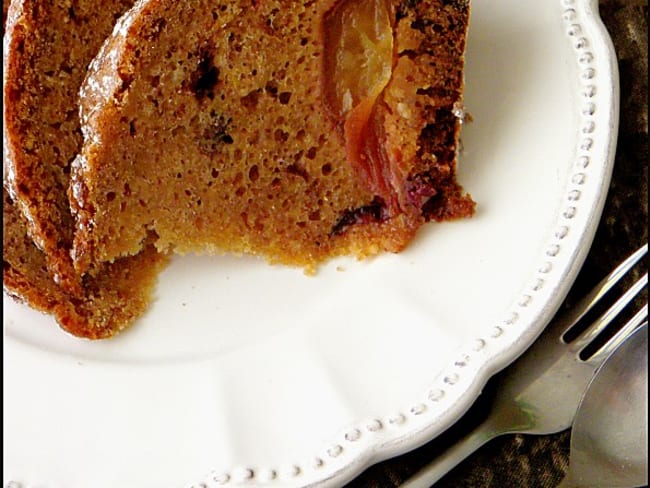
<point x="358" y="66"/>
<point x="359" y="52"/>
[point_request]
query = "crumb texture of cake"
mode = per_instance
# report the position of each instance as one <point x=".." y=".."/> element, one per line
<point x="214" y="127"/>
<point x="111" y="301"/>
<point x="47" y="48"/>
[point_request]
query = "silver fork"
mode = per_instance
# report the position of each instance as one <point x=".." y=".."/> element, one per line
<point x="540" y="392"/>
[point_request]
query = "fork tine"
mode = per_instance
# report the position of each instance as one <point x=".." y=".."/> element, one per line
<point x="631" y="325"/>
<point x="605" y="319"/>
<point x="606" y="284"/>
<point x="624" y="267"/>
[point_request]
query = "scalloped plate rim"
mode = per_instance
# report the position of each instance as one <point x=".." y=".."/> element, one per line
<point x="352" y="460"/>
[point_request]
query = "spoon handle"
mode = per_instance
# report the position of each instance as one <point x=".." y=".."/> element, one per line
<point x="452" y="456"/>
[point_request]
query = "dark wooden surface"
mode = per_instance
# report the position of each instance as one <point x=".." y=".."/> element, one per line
<point x="517" y="461"/>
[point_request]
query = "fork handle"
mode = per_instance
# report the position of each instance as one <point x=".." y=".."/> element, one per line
<point x="451" y="457"/>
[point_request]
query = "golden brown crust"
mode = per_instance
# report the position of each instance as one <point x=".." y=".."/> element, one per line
<point x="205" y="124"/>
<point x="111" y="300"/>
<point x="5" y="8"/>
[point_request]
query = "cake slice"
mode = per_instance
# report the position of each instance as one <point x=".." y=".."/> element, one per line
<point x="293" y="130"/>
<point x="47" y="48"/>
<point x="35" y="146"/>
<point x="110" y="302"/>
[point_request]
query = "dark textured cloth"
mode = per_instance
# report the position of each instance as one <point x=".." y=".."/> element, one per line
<point x="518" y="461"/>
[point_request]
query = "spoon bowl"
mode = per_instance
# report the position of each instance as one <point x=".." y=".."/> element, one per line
<point x="609" y="439"/>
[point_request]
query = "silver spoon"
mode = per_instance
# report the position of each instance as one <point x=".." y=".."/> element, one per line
<point x="609" y="438"/>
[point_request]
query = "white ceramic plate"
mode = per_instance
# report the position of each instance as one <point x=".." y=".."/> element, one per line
<point x="245" y="373"/>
